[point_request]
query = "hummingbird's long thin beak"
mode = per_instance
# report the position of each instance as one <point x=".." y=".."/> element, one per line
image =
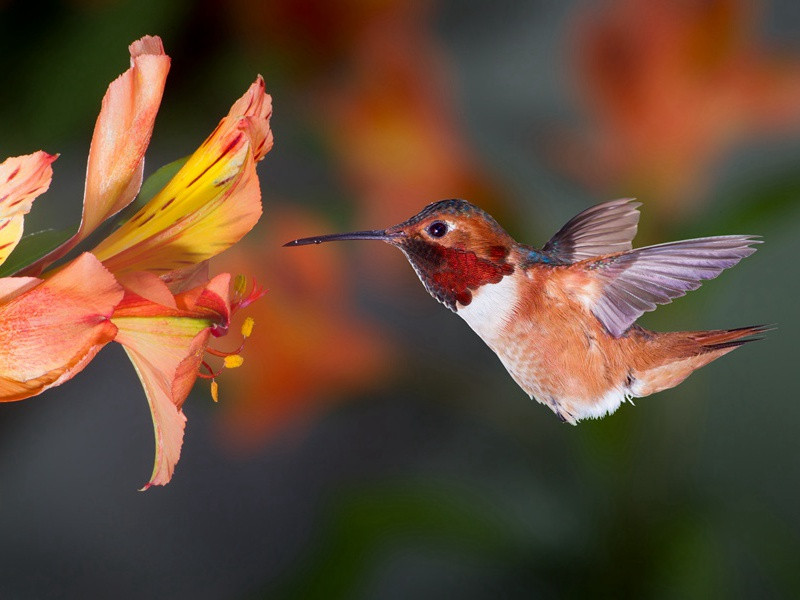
<point x="377" y="234"/>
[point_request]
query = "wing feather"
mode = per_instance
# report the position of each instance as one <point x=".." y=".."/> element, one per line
<point x="637" y="281"/>
<point x="606" y="228"/>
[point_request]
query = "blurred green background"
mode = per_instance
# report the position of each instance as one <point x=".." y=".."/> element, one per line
<point x="372" y="446"/>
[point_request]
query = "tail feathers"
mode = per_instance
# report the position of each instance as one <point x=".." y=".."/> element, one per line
<point x="687" y="352"/>
<point x="722" y="339"/>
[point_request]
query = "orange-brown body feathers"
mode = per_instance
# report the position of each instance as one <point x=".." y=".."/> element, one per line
<point x="562" y="318"/>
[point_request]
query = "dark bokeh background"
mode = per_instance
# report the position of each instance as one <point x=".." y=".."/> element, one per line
<point x="372" y="446"/>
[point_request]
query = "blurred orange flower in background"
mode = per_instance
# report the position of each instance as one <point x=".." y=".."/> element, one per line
<point x="392" y="127"/>
<point x="312" y="347"/>
<point x="668" y="89"/>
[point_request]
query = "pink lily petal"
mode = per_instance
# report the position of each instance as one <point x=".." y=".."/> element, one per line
<point x="50" y="331"/>
<point x="148" y="286"/>
<point x="11" y="287"/>
<point x="22" y="179"/>
<point x="121" y="136"/>
<point x="190" y="277"/>
<point x="166" y="346"/>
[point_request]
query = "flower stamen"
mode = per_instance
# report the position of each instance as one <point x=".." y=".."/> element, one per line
<point x="230" y="360"/>
<point x="247" y="327"/>
<point x="234" y="361"/>
<point x="241" y="298"/>
<point x="211" y="373"/>
<point x="223" y="354"/>
<point x="214" y="390"/>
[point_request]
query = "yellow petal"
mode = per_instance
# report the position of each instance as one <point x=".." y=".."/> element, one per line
<point x="210" y="204"/>
<point x="22" y="179"/>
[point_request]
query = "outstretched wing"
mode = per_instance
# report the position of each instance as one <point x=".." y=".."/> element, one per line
<point x="606" y="228"/>
<point x="635" y="282"/>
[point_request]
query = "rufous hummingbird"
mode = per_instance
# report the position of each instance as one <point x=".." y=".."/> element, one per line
<point x="562" y="318"/>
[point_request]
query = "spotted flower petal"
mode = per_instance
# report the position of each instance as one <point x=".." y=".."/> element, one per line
<point x="50" y="329"/>
<point x="210" y="204"/>
<point x="166" y="345"/>
<point x="22" y="179"/>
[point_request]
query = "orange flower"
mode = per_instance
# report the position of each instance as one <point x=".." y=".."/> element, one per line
<point x="166" y="308"/>
<point x="208" y="206"/>
<point x="669" y="88"/>
<point x="166" y="344"/>
<point x="22" y="179"/>
<point x="49" y="329"/>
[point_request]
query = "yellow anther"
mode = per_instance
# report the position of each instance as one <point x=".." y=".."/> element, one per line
<point x="215" y="390"/>
<point x="240" y="285"/>
<point x="247" y="327"/>
<point x="233" y="361"/>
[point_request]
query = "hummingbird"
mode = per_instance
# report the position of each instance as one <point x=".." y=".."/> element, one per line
<point x="562" y="318"/>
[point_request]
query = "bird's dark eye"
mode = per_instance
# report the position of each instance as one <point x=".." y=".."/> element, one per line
<point x="437" y="229"/>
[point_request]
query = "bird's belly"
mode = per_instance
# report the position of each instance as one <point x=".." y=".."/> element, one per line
<point x="561" y="362"/>
<point x="548" y="372"/>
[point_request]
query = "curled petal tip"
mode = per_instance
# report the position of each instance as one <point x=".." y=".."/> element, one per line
<point x="22" y="180"/>
<point x="121" y="135"/>
<point x="256" y="107"/>
<point x="148" y="44"/>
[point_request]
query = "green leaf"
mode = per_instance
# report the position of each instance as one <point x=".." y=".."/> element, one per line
<point x="32" y="247"/>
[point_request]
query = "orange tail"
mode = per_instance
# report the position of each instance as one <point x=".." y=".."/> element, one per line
<point x="728" y="339"/>
<point x="689" y="350"/>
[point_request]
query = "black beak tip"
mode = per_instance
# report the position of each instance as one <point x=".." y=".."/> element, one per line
<point x="303" y="242"/>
